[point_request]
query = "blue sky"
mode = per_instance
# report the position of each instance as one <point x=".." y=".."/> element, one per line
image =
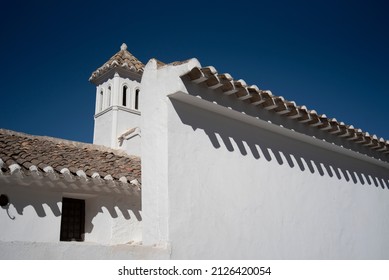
<point x="331" y="56"/>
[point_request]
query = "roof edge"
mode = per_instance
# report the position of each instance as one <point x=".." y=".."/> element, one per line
<point x="265" y="100"/>
<point x="68" y="142"/>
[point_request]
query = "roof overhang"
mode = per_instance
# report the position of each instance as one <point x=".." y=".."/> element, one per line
<point x="206" y="83"/>
<point x="109" y="74"/>
<point x="67" y="183"/>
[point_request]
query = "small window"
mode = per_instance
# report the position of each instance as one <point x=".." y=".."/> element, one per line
<point x="137" y="99"/>
<point x="72" y="220"/>
<point x="124" y="99"/>
<point x="109" y="96"/>
<point x="101" y="100"/>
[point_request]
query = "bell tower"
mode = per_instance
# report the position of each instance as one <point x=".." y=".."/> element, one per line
<point x="117" y="113"/>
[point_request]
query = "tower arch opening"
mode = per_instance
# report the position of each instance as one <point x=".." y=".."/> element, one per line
<point x="101" y="100"/>
<point x="124" y="96"/>
<point x="137" y="99"/>
<point x="109" y="96"/>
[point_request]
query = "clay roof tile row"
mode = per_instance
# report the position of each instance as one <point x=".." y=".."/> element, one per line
<point x="27" y="153"/>
<point x="264" y="99"/>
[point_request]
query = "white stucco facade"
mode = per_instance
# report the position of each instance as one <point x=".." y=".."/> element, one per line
<point x="34" y="214"/>
<point x="222" y="184"/>
<point x="117" y="114"/>
<point x="31" y="222"/>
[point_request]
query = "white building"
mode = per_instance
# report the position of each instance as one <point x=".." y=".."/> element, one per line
<point x="228" y="171"/>
<point x="117" y="114"/>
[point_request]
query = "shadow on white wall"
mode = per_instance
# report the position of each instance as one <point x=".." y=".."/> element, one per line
<point x="262" y="144"/>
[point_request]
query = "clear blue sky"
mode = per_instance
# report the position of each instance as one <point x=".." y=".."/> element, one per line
<point x="331" y="56"/>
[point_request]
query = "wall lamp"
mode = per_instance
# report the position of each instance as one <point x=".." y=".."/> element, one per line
<point x="4" y="200"/>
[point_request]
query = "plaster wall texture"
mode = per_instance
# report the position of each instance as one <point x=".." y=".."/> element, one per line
<point x="102" y="128"/>
<point x="156" y="83"/>
<point x="34" y="215"/>
<point x="113" y="220"/>
<point x="128" y="119"/>
<point x="248" y="193"/>
<point x="237" y="187"/>
<point x="79" y="251"/>
<point x="31" y="216"/>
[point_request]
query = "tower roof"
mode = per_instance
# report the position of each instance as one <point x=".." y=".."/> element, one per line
<point x="122" y="60"/>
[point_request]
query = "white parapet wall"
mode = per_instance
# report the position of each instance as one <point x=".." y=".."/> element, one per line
<point x="156" y="84"/>
<point x="220" y="184"/>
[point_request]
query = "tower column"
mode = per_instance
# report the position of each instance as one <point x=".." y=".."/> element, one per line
<point x="97" y="100"/>
<point x="116" y="90"/>
<point x="112" y="119"/>
<point x="114" y="139"/>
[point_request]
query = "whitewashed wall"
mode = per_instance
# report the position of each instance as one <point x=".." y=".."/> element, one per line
<point x="239" y="191"/>
<point x="103" y="128"/>
<point x="17" y="250"/>
<point x="31" y="216"/>
<point x="34" y="216"/>
<point x="236" y="187"/>
<point x="112" y="119"/>
<point x="129" y="119"/>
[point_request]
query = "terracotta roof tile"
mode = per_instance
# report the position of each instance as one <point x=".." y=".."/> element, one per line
<point x="265" y="100"/>
<point x="122" y="59"/>
<point x="40" y="151"/>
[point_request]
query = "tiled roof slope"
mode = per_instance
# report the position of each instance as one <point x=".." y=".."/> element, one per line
<point x="264" y="99"/>
<point x="122" y="59"/>
<point x="27" y="153"/>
